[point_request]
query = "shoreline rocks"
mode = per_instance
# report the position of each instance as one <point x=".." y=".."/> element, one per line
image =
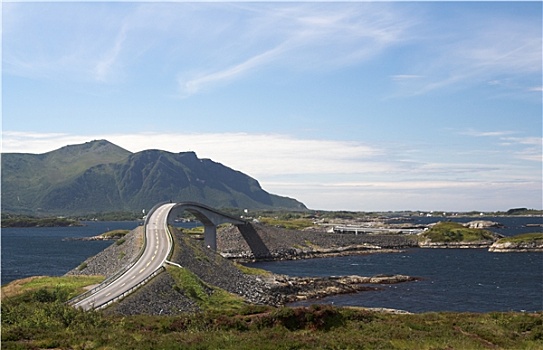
<point x="292" y="289"/>
<point x="516" y="247"/>
<point x="483" y="224"/>
<point x="457" y="245"/>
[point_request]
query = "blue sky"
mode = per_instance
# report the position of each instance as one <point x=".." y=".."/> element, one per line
<point x="343" y="106"/>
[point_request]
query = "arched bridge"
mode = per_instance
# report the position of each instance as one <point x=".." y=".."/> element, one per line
<point x="208" y="216"/>
<point x="158" y="247"/>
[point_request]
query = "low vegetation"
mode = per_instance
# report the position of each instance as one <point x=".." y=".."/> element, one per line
<point x="35" y="316"/>
<point x="32" y="221"/>
<point x="115" y="234"/>
<point x="454" y="232"/>
<point x="113" y="216"/>
<point x="71" y="285"/>
<point x="288" y="223"/>
<point x="252" y="270"/>
<point x="209" y="298"/>
<point x="536" y="237"/>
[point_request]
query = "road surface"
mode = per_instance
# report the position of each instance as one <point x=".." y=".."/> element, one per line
<point x="157" y="247"/>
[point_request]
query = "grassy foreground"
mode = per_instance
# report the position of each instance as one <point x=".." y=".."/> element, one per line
<point x="34" y="316"/>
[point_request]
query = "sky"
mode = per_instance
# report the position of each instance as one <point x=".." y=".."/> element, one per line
<point x="361" y="106"/>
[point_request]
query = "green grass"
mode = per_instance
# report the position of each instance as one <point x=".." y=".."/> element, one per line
<point x="199" y="230"/>
<point x="209" y="298"/>
<point x="73" y="285"/>
<point x="291" y="224"/>
<point x="37" y="319"/>
<point x="536" y="237"/>
<point x="115" y="234"/>
<point x="455" y="232"/>
<point x="252" y="270"/>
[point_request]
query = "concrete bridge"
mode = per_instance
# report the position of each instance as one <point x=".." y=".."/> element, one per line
<point x="158" y="247"/>
<point x="208" y="216"/>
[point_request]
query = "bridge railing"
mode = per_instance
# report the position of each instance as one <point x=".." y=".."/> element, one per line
<point x="131" y="290"/>
<point x="113" y="277"/>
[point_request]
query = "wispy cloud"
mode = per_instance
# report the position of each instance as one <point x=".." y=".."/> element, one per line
<point x="525" y="148"/>
<point x="307" y="36"/>
<point x="494" y="48"/>
<point x="329" y="174"/>
<point x="477" y="133"/>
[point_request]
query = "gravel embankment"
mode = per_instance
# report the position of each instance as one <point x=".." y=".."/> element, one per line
<point x="158" y="297"/>
<point x="114" y="257"/>
<point x="213" y="269"/>
<point x="162" y="296"/>
<point x="278" y="243"/>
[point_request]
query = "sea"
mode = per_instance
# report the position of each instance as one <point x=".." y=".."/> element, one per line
<point x="459" y="280"/>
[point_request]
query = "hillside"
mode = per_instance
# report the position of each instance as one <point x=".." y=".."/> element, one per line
<point x="99" y="176"/>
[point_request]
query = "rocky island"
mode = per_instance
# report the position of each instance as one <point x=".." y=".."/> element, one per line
<point x="456" y="235"/>
<point x="207" y="274"/>
<point x="528" y="242"/>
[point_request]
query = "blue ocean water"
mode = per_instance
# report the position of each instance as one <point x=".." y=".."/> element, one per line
<point x="465" y="280"/>
<point x="49" y="250"/>
<point x="471" y="280"/>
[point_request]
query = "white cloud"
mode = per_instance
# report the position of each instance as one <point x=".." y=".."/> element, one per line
<point x="525" y="148"/>
<point x="256" y="154"/>
<point x="477" y="133"/>
<point x="502" y="50"/>
<point x="305" y="36"/>
<point x="329" y="174"/>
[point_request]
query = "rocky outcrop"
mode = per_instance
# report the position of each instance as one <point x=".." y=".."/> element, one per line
<point x="282" y="244"/>
<point x="463" y="245"/>
<point x="511" y="247"/>
<point x="483" y="224"/>
<point x="290" y="289"/>
<point x="114" y="258"/>
<point x="161" y="295"/>
<point x="158" y="297"/>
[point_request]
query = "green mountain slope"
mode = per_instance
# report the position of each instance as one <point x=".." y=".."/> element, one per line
<point x="98" y="176"/>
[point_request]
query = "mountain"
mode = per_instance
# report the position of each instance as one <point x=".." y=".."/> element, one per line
<point x="99" y="176"/>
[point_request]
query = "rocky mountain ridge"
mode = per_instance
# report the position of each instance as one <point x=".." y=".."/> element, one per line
<point x="99" y="176"/>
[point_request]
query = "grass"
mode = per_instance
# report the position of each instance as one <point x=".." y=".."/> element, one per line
<point x="291" y="224"/>
<point x="252" y="270"/>
<point x="73" y="285"/>
<point x="536" y="237"/>
<point x="37" y="319"/>
<point x="455" y="232"/>
<point x="209" y="298"/>
<point x="114" y="234"/>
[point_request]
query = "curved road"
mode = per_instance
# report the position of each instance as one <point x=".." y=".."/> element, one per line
<point x="157" y="248"/>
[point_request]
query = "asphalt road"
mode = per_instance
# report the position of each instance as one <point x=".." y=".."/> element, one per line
<point x="157" y="248"/>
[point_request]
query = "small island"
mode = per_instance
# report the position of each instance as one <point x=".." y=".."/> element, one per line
<point x="528" y="242"/>
<point x="455" y="235"/>
<point x="32" y="221"/>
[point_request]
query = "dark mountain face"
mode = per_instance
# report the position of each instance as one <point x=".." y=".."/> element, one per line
<point x="99" y="176"/>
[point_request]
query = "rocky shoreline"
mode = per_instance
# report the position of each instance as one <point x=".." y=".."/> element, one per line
<point x="254" y="242"/>
<point x="274" y="243"/>
<point x="161" y="296"/>
<point x="520" y="247"/>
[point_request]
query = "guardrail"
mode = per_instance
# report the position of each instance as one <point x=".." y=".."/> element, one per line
<point x="131" y="290"/>
<point x="123" y="270"/>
